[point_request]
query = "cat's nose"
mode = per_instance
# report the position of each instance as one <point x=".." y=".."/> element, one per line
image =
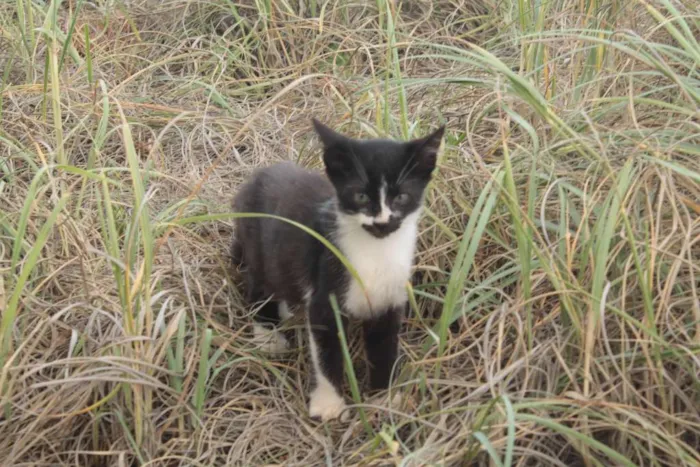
<point x="384" y="228"/>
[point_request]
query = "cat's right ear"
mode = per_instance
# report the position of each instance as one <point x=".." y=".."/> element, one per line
<point x="335" y="151"/>
<point x="424" y="151"/>
<point x="328" y="136"/>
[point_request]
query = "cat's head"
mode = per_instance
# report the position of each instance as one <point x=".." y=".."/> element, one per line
<point x="379" y="182"/>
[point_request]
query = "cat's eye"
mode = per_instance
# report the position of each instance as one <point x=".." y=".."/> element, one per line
<point x="402" y="198"/>
<point x="361" y="198"/>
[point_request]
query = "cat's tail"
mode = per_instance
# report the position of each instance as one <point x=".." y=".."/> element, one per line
<point x="241" y="202"/>
<point x="236" y="252"/>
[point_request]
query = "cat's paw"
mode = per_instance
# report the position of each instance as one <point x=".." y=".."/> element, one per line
<point x="270" y="341"/>
<point x="386" y="400"/>
<point x="327" y="404"/>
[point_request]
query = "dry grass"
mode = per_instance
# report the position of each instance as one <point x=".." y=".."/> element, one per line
<point x="556" y="314"/>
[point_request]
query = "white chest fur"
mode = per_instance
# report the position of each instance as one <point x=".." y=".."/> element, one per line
<point x="384" y="265"/>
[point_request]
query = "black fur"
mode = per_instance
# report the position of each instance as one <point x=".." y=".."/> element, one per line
<point x="286" y="263"/>
<point x="359" y="166"/>
<point x="279" y="257"/>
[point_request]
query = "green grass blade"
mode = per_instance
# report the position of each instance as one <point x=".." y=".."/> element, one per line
<point x="575" y="435"/>
<point x="349" y="368"/>
<point x="465" y="256"/>
<point x="9" y="315"/>
<point x="200" y="389"/>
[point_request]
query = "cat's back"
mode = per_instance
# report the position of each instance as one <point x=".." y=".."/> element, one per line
<point x="278" y="253"/>
<point x="283" y="188"/>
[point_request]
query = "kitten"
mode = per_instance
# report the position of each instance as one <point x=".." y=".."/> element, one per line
<point x="368" y="206"/>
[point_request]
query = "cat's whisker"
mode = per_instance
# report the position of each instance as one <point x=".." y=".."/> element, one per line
<point x="350" y="208"/>
<point x="360" y="169"/>
<point x="406" y="173"/>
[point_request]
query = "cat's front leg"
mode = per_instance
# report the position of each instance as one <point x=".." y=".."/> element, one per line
<point x="381" y="335"/>
<point x="326" y="402"/>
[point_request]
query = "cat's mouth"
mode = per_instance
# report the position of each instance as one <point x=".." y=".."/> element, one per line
<point x="381" y="230"/>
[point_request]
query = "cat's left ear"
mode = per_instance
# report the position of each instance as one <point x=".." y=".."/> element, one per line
<point x="329" y="137"/>
<point x="335" y="150"/>
<point x="425" y="150"/>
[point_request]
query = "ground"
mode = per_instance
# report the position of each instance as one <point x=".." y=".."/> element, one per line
<point x="555" y="316"/>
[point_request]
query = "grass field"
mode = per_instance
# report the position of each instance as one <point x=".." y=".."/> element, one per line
<point x="556" y="307"/>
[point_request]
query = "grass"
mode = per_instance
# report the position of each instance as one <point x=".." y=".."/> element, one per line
<point x="556" y="307"/>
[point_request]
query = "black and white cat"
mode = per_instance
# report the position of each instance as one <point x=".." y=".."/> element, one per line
<point x="368" y="206"/>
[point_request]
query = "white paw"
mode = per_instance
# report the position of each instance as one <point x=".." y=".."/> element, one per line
<point x="269" y="340"/>
<point x="327" y="404"/>
<point x="386" y="400"/>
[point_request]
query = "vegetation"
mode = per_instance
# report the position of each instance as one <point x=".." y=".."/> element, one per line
<point x="555" y="312"/>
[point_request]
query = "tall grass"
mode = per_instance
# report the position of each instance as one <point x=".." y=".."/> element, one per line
<point x="555" y="313"/>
